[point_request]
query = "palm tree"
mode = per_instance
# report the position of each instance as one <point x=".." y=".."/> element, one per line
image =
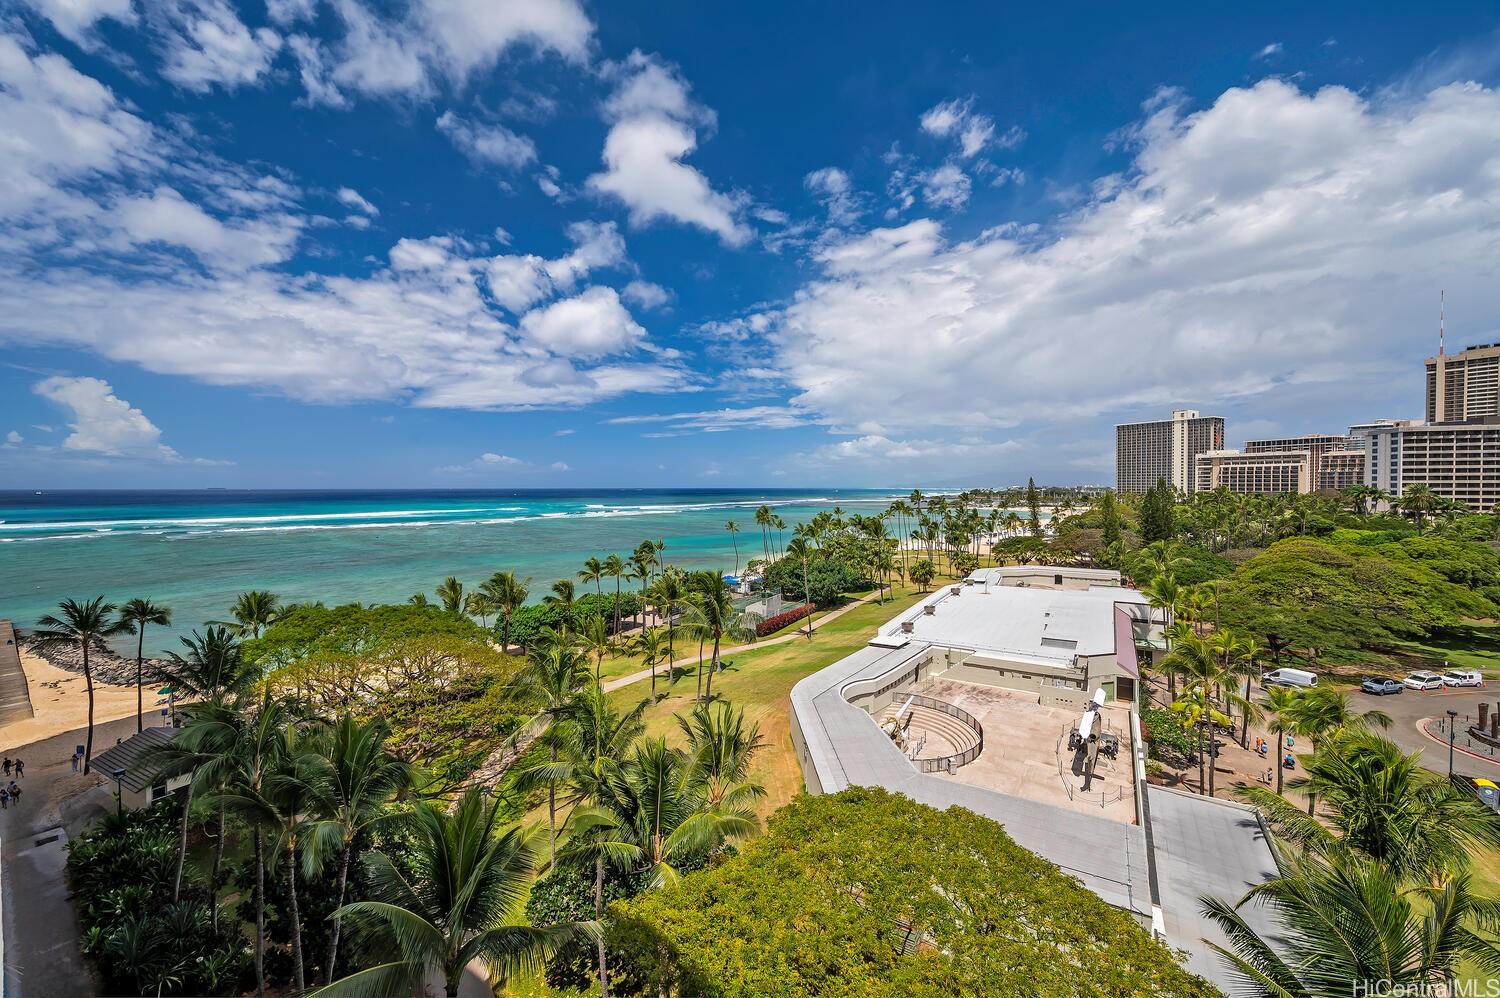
<point x="553" y="676"/>
<point x="284" y="807"/>
<point x="614" y="568"/>
<point x="508" y="594"/>
<point x="135" y="615"/>
<point x="642" y="562"/>
<point x="1380" y="802"/>
<point x="593" y="571"/>
<point x="780" y="525"/>
<point x="595" y="640"/>
<point x="478" y="604"/>
<point x="734" y="528"/>
<point x="802" y="551"/>
<point x="721" y="745"/>
<point x="713" y="617"/>
<point x="763" y="520"/>
<point x="1347" y="919"/>
<point x="253" y="612"/>
<point x="562" y="596"/>
<point x="1281" y="706"/>
<point x="451" y="592"/>
<point x="670" y="592"/>
<point x="651" y="643"/>
<point x="86" y="625"/>
<point x="352" y="775"/>
<point x="1195" y="661"/>
<point x="468" y="876"/>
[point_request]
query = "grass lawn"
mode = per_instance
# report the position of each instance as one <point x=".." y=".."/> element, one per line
<point x="760" y="680"/>
<point x="1468" y="646"/>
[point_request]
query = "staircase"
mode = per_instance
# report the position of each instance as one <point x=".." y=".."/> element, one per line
<point x="15" y="697"/>
<point x="946" y="734"/>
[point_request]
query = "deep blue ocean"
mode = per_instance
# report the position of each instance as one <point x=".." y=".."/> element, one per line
<point x="196" y="550"/>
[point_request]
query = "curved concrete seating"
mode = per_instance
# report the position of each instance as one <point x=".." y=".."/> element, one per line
<point x="947" y="736"/>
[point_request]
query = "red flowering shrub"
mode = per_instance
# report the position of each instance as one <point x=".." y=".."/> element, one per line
<point x="776" y="623"/>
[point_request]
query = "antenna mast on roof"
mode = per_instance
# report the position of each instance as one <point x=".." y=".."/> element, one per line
<point x="1442" y="308"/>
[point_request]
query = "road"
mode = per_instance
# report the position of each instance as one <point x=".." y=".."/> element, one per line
<point x="42" y="955"/>
<point x="1407" y="709"/>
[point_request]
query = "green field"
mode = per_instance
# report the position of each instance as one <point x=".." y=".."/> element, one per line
<point x="1468" y="646"/>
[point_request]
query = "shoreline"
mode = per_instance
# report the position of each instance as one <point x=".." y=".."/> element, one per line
<point x="60" y="702"/>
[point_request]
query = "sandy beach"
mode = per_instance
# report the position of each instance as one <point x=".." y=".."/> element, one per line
<point x="61" y="703"/>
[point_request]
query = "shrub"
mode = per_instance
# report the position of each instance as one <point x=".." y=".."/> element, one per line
<point x="828" y="579"/>
<point x="527" y="623"/>
<point x="822" y="903"/>
<point x="773" y="624"/>
<point x="1164" y="732"/>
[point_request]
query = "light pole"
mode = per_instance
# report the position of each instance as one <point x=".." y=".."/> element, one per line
<point x="119" y="776"/>
<point x="1452" y="730"/>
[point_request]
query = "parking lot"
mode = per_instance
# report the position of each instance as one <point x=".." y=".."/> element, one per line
<point x="1408" y="709"/>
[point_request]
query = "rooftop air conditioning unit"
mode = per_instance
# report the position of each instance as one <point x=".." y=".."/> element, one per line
<point x="907" y="626"/>
<point x="929" y="608"/>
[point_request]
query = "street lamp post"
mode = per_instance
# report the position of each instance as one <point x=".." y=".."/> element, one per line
<point x="1452" y="730"/>
<point x="119" y="776"/>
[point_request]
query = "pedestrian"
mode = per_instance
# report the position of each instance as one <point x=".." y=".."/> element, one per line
<point x="7" y="765"/>
<point x="20" y="768"/>
<point x="4" y="800"/>
<point x="1269" y="774"/>
<point x="14" y="791"/>
<point x="74" y="761"/>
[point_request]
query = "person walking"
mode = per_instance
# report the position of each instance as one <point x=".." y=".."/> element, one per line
<point x="4" y="799"/>
<point x="20" y="769"/>
<point x="74" y="761"/>
<point x="7" y="765"/>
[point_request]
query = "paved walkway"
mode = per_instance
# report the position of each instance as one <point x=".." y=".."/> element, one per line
<point x="42" y="954"/>
<point x="644" y="675"/>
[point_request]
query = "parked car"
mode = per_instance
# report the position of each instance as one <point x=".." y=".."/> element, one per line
<point x="1288" y="677"/>
<point x="1423" y="681"/>
<point x="1463" y="677"/>
<point x="1379" y="686"/>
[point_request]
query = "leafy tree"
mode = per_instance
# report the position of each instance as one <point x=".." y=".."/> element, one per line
<point x="922" y="573"/>
<point x="566" y="894"/>
<point x="136" y="614"/>
<point x="86" y="625"/>
<point x="1157" y="513"/>
<point x="824" y="903"/>
<point x="1109" y="510"/>
<point x="464" y="877"/>
<point x="1034" y="507"/>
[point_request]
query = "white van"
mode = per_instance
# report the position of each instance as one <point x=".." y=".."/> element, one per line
<point x="1463" y="677"/>
<point x="1288" y="677"/>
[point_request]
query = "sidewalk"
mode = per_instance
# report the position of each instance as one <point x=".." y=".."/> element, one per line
<point x="42" y="954"/>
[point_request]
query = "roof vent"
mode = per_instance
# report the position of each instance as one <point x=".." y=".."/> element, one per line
<point x="929" y="608"/>
<point x="907" y="626"/>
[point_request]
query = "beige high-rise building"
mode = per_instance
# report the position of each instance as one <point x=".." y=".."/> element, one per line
<point x="1258" y="473"/>
<point x="1164" y="449"/>
<point x="1459" y="461"/>
<point x="1464" y="385"/>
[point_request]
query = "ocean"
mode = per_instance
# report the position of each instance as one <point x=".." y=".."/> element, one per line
<point x="194" y="551"/>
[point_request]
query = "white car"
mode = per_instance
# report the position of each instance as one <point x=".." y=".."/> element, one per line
<point x="1423" y="681"/>
<point x="1463" y="677"/>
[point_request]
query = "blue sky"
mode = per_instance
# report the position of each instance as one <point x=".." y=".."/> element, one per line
<point x="461" y="243"/>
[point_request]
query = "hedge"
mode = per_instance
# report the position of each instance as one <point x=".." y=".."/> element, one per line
<point x="773" y="624"/>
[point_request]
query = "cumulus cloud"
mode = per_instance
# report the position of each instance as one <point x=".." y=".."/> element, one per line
<point x="104" y="425"/>
<point x="590" y="325"/>
<point x="644" y="294"/>
<point x="209" y="45"/>
<point x="434" y="41"/>
<point x="488" y="461"/>
<point x="14" y="439"/>
<point x="1277" y="237"/>
<point x="487" y="144"/>
<point x="353" y="199"/>
<point x="655" y="127"/>
<point x="947" y="186"/>
<point x="1274" y="48"/>
<point x="165" y="217"/>
<point x="519" y="281"/>
<point x="835" y="191"/>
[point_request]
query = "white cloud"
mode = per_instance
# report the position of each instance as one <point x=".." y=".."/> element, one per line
<point x="208" y="45"/>
<point x="945" y="187"/>
<point x="487" y="144"/>
<point x="165" y="216"/>
<point x="103" y="424"/>
<point x="488" y="461"/>
<point x="74" y="19"/>
<point x="519" y="281"/>
<point x="558" y="466"/>
<point x="351" y="197"/>
<point x="564" y="433"/>
<point x="1274" y="48"/>
<point x="436" y="40"/>
<point x="655" y="122"/>
<point x="14" y="439"/>
<point x="833" y="188"/>
<point x="760" y="417"/>
<point x="877" y="449"/>
<point x="958" y="119"/>
<point x="592" y="324"/>
<point x="1274" y="238"/>
<point x="644" y="294"/>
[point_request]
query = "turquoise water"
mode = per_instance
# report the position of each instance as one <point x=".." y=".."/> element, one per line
<point x="195" y="551"/>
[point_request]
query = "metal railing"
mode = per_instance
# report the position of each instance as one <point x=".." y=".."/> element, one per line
<point x="948" y="763"/>
<point x="1103" y="798"/>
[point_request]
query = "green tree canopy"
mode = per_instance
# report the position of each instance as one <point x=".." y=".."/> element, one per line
<point x="870" y="893"/>
<point x="352" y="629"/>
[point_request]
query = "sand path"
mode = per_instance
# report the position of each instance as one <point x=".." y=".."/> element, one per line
<point x="61" y="703"/>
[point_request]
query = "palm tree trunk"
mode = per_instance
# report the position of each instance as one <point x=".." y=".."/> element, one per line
<point x="338" y="921"/>
<point x="1245" y="728"/>
<point x="88" y="680"/>
<point x="713" y="667"/>
<point x="213" y="876"/>
<point x="552" y="813"/>
<point x="140" y="644"/>
<point x="1280" y="737"/>
<point x="291" y="886"/>
<point x="187" y="805"/>
<point x="617" y="604"/>
<point x="1202" y="777"/>
<point x="260" y="915"/>
<point x="700" y="669"/>
<point x="599" y="914"/>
